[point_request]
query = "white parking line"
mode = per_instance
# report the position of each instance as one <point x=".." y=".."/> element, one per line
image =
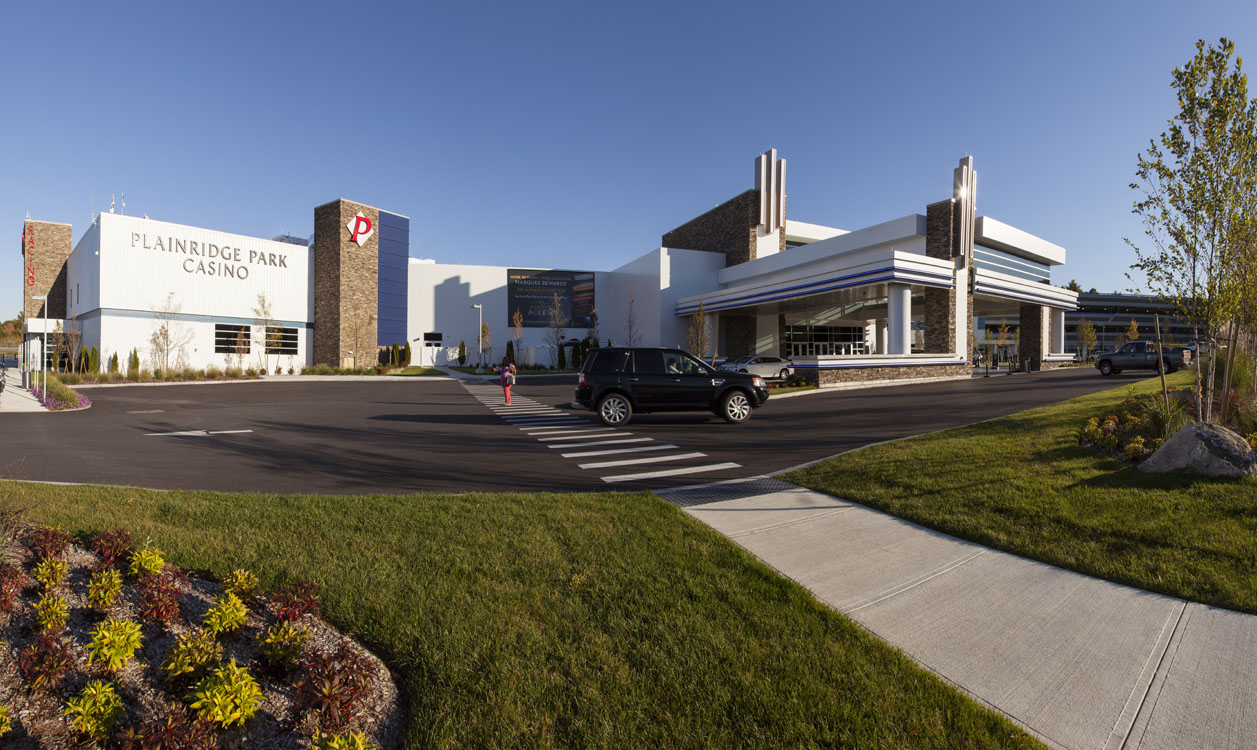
<point x="195" y="433"/>
<point x="609" y="451"/>
<point x="647" y="460"/>
<point x="601" y="442"/>
<point x="668" y="472"/>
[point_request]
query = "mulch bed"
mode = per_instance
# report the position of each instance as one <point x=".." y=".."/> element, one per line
<point x="38" y="720"/>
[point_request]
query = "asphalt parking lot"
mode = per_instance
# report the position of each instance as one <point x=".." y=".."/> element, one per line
<point x="441" y="435"/>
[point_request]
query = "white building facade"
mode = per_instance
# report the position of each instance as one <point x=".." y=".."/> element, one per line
<point x="915" y="297"/>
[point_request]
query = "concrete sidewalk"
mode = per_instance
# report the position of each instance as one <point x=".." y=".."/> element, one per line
<point x="16" y="398"/>
<point x="1080" y="662"/>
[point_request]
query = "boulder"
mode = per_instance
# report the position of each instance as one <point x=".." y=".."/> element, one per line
<point x="1207" y="449"/>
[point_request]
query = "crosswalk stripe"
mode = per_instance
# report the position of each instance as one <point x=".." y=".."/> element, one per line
<point x="583" y="437"/>
<point x="646" y="460"/>
<point x="668" y="472"/>
<point x="601" y="442"/>
<point x="563" y="430"/>
<point x="610" y="451"/>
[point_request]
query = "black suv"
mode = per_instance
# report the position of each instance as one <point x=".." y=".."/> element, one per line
<point x="617" y="381"/>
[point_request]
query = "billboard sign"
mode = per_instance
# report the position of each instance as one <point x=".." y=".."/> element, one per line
<point x="533" y="293"/>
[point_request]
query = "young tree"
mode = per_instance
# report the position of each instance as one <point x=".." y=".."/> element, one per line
<point x="555" y="322"/>
<point x="517" y="328"/>
<point x="698" y="336"/>
<point x="1003" y="337"/>
<point x="462" y="353"/>
<point x="267" y="331"/>
<point x="1198" y="182"/>
<point x="486" y="344"/>
<point x="632" y="335"/>
<point x="70" y="339"/>
<point x="406" y="355"/>
<point x="93" y="362"/>
<point x="1132" y="331"/>
<point x="1086" y="336"/>
<point x="169" y="337"/>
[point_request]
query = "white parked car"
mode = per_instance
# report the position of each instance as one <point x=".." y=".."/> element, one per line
<point x="765" y="367"/>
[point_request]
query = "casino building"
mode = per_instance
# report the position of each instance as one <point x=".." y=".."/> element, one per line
<point x="907" y="298"/>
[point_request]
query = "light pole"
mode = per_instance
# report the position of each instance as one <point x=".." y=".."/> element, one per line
<point x="43" y="350"/>
<point x="479" y="340"/>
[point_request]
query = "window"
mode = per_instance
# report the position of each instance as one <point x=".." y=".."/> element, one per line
<point x="608" y="362"/>
<point x="690" y="366"/>
<point x="231" y="339"/>
<point x="281" y="340"/>
<point x="648" y="362"/>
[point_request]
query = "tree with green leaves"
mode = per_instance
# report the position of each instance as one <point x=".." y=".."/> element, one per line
<point x="1085" y="334"/>
<point x="93" y="362"/>
<point x="1198" y="181"/>
<point x="406" y="354"/>
<point x="1074" y="286"/>
<point x="510" y="351"/>
<point x="462" y="353"/>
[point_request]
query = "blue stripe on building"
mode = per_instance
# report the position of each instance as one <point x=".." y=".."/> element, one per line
<point x="393" y="295"/>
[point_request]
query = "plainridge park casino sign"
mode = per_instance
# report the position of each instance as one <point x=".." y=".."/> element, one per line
<point x="208" y="259"/>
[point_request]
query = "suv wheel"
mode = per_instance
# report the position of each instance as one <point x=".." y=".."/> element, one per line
<point x="614" y="410"/>
<point x="1106" y="368"/>
<point x="735" y="407"/>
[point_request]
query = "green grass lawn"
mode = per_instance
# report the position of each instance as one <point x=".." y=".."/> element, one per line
<point x="1023" y="484"/>
<point x="583" y="620"/>
<point x="422" y="372"/>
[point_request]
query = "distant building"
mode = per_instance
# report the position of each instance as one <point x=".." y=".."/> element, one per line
<point x="1111" y="315"/>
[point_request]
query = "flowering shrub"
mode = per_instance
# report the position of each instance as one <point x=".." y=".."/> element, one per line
<point x="1136" y="428"/>
<point x="1251" y="439"/>
<point x="228" y="696"/>
<point x="6" y="721"/>
<point x="114" y="642"/>
<point x="103" y="589"/>
<point x="95" y="711"/>
<point x="60" y="399"/>
<point x="112" y="545"/>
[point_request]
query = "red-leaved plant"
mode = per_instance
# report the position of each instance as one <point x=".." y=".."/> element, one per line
<point x="295" y="601"/>
<point x="333" y="685"/>
<point x="113" y="545"/>
<point x="44" y="663"/>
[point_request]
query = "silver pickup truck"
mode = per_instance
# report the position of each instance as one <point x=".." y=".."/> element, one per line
<point x="1141" y="355"/>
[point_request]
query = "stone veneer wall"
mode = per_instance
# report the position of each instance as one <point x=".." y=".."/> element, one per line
<point x="940" y="304"/>
<point x="739" y="335"/>
<point x="346" y="286"/>
<point x="52" y="247"/>
<point x="1030" y="336"/>
<point x="729" y="228"/>
<point x="868" y="374"/>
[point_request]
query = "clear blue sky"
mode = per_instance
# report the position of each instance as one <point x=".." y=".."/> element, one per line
<point x="572" y="135"/>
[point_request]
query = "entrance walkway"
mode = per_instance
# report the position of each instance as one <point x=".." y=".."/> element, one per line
<point x="1080" y="662"/>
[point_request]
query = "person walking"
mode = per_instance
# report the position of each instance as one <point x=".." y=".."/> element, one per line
<point x="506" y="373"/>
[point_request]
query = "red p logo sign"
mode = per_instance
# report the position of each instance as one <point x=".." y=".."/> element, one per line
<point x="360" y="229"/>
